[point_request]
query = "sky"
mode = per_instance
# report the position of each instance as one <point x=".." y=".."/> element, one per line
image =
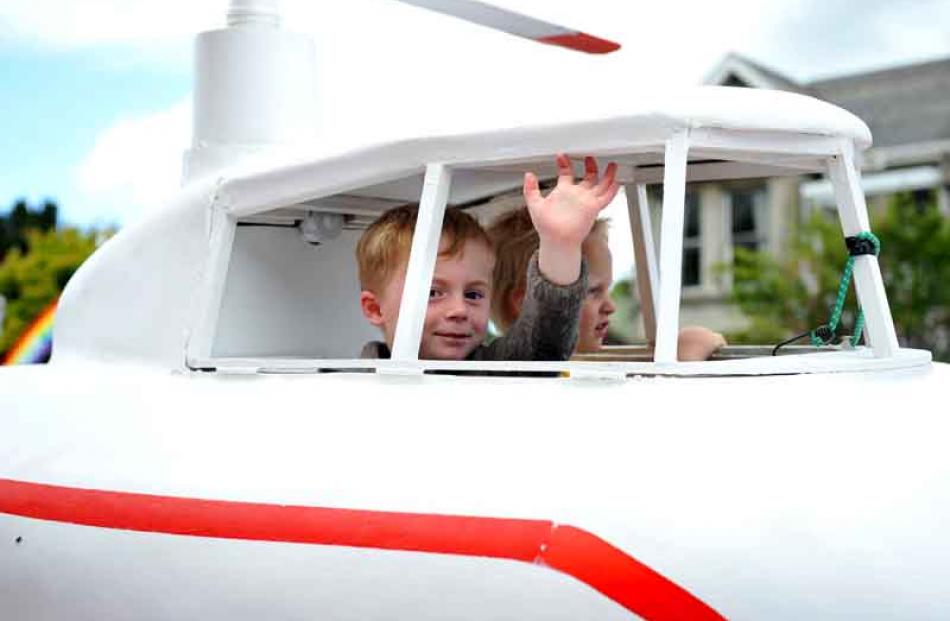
<point x="96" y="110"/>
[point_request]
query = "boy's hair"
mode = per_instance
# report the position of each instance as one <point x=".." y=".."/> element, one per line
<point x="515" y="239"/>
<point x="384" y="246"/>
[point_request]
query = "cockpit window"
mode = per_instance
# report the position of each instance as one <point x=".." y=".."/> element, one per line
<point x="286" y="296"/>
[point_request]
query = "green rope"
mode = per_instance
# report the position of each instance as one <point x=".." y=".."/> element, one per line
<point x="823" y="335"/>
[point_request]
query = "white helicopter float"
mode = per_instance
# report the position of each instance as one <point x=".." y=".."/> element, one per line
<point x="205" y="444"/>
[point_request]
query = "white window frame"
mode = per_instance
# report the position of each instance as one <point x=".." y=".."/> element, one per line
<point x="737" y="148"/>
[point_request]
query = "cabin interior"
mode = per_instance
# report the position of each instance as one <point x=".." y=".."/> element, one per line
<point x="288" y="298"/>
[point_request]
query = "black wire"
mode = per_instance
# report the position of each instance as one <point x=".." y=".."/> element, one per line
<point x="273" y="225"/>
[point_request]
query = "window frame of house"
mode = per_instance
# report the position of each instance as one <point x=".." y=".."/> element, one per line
<point x="692" y="240"/>
<point x="755" y="238"/>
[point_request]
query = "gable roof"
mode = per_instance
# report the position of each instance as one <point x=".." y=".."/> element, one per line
<point x="737" y="70"/>
<point x="901" y="105"/>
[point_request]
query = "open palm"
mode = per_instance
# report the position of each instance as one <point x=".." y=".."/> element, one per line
<point x="566" y="215"/>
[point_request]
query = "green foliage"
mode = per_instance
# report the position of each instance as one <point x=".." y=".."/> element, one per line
<point x="915" y="261"/>
<point x="21" y="219"/>
<point x="794" y="294"/>
<point x="622" y="328"/>
<point x="31" y="279"/>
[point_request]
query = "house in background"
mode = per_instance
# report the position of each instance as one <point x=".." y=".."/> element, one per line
<point x="908" y="111"/>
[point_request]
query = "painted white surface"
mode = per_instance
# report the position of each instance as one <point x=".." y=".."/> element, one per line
<point x="255" y="93"/>
<point x="209" y="286"/>
<point x="853" y="214"/>
<point x="817" y="494"/>
<point x="773" y="497"/>
<point x="68" y="572"/>
<point x="671" y="247"/>
<point x="132" y="301"/>
<point x="746" y="120"/>
<point x="494" y="17"/>
<point x="253" y="12"/>
<point x="858" y="360"/>
<point x="285" y="297"/>
<point x="644" y="249"/>
<point x="425" y="248"/>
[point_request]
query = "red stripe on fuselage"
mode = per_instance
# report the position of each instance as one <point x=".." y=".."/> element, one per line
<point x="570" y="550"/>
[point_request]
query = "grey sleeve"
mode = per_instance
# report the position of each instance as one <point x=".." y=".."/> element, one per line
<point x="375" y="350"/>
<point x="546" y="329"/>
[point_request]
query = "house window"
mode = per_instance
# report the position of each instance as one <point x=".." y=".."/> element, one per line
<point x="748" y="218"/>
<point x="692" y="242"/>
<point x="692" y="232"/>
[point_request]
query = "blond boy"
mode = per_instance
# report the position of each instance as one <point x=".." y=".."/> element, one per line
<point x="515" y="240"/>
<point x="460" y="297"/>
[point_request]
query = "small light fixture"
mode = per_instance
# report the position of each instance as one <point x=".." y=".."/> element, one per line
<point x="320" y="227"/>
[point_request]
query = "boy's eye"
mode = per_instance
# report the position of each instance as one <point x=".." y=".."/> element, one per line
<point x="474" y="295"/>
<point x="434" y="293"/>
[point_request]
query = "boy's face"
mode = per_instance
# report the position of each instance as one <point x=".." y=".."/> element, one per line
<point x="597" y="306"/>
<point x="459" y="303"/>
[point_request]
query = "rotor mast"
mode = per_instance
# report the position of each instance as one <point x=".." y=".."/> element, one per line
<point x="254" y="93"/>
<point x="251" y="12"/>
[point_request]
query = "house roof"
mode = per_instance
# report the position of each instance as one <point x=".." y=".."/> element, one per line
<point x="901" y="105"/>
<point x="737" y="70"/>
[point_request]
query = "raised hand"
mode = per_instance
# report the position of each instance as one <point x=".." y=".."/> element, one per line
<point x="567" y="213"/>
<point x="565" y="216"/>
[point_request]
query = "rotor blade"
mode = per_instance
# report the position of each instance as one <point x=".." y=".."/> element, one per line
<point x="518" y="24"/>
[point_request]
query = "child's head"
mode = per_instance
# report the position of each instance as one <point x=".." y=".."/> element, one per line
<point x="515" y="240"/>
<point x="460" y="295"/>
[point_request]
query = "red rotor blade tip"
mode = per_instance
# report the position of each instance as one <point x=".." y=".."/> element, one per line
<point x="582" y="42"/>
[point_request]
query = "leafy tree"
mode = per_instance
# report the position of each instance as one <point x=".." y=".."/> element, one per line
<point x="788" y="296"/>
<point x="623" y="328"/>
<point x="31" y="279"/>
<point x="20" y="219"/>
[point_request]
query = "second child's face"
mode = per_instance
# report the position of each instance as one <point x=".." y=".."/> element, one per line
<point x="597" y="306"/>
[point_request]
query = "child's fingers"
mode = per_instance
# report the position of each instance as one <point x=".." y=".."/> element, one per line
<point x="610" y="176"/>
<point x="612" y="190"/>
<point x="532" y="192"/>
<point x="590" y="172"/>
<point x="565" y="172"/>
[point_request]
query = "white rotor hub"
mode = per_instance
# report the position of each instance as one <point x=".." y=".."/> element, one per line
<point x="254" y="12"/>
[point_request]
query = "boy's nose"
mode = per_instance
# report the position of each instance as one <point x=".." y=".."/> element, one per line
<point x="609" y="307"/>
<point x="457" y="308"/>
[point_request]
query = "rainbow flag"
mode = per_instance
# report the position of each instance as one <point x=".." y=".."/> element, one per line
<point x="36" y="343"/>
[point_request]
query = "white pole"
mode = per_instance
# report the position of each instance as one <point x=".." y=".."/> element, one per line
<point x="422" y="256"/>
<point x="644" y="250"/>
<point x="671" y="247"/>
<point x="853" y="213"/>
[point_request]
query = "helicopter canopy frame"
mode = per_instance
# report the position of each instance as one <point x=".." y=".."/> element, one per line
<point x="714" y="133"/>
